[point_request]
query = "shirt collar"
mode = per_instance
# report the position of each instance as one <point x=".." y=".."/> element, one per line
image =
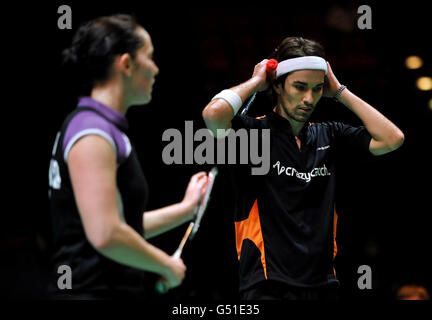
<point x="113" y="115"/>
<point x="282" y="124"/>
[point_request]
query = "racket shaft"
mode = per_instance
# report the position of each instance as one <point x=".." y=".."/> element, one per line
<point x="161" y="286"/>
<point x="179" y="250"/>
<point x="248" y="104"/>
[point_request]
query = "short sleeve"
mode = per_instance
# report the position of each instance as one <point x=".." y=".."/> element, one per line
<point x="350" y="137"/>
<point x="246" y="122"/>
<point x="89" y="123"/>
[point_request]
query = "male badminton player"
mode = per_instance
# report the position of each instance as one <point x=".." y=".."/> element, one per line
<point x="285" y="220"/>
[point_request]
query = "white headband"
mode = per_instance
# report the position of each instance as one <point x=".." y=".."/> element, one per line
<point x="301" y="63"/>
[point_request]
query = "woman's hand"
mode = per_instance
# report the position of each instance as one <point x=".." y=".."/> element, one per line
<point x="175" y="273"/>
<point x="332" y="84"/>
<point x="195" y="190"/>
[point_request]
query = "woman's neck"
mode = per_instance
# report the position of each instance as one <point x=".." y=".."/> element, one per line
<point x="111" y="95"/>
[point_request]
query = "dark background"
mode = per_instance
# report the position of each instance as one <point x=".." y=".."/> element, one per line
<point x="383" y="203"/>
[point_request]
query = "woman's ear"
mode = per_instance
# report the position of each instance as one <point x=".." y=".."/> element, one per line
<point x="124" y="64"/>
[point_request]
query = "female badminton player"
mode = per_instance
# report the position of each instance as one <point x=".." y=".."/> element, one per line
<point x="98" y="192"/>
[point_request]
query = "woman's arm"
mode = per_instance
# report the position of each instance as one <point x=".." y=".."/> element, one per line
<point x="386" y="136"/>
<point x="92" y="168"/>
<point x="161" y="220"/>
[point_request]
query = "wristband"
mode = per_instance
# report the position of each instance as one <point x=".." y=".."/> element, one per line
<point x="231" y="97"/>
<point x="338" y="92"/>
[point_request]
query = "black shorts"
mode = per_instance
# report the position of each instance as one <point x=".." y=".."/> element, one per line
<point x="275" y="290"/>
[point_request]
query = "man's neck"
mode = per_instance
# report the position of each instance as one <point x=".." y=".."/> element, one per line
<point x="296" y="126"/>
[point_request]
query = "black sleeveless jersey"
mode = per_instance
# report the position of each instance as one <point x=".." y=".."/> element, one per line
<point x="92" y="273"/>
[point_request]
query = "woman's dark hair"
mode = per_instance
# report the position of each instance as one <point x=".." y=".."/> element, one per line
<point x="95" y="46"/>
<point x="294" y="47"/>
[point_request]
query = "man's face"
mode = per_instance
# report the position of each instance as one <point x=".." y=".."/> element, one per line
<point x="301" y="92"/>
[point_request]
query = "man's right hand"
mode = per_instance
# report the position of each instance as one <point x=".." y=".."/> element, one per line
<point x="261" y="76"/>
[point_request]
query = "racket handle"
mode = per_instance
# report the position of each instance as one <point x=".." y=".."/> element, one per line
<point x="161" y="287"/>
<point x="270" y="68"/>
<point x="271" y="65"/>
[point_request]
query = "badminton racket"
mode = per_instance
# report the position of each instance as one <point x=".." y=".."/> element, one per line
<point x="200" y="209"/>
<point x="270" y="68"/>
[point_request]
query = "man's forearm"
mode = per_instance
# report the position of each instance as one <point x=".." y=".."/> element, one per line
<point x="380" y="128"/>
<point x="218" y="113"/>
